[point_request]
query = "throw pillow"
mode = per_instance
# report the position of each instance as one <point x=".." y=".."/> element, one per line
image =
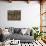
<point x="17" y="30"/>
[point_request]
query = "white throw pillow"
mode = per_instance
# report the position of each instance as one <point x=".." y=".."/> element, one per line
<point x="5" y="32"/>
<point x="23" y="31"/>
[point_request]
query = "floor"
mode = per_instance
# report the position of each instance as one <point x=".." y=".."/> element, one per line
<point x="35" y="43"/>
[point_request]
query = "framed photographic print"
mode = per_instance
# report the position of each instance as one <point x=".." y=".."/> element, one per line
<point x="14" y="14"/>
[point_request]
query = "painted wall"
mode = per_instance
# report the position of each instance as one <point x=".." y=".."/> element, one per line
<point x="30" y="14"/>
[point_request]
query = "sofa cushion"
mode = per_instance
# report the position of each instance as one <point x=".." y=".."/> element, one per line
<point x="24" y="30"/>
<point x="11" y="30"/>
<point x="17" y="30"/>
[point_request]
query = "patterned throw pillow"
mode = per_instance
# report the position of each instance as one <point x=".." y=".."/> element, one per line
<point x="11" y="30"/>
<point x="17" y="30"/>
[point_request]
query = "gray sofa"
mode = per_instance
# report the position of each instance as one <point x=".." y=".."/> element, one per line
<point x="17" y="35"/>
<point x="22" y="38"/>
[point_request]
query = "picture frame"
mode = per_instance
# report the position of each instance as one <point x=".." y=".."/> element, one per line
<point x="14" y="14"/>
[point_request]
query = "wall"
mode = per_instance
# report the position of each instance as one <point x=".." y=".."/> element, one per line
<point x="30" y="14"/>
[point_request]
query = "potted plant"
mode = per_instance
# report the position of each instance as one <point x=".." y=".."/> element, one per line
<point x="37" y="33"/>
